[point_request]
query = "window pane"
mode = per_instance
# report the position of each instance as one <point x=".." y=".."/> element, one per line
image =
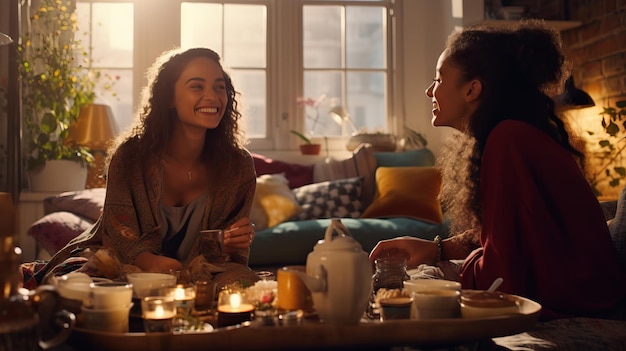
<point x="252" y="101"/>
<point x="122" y="102"/>
<point x="201" y="26"/>
<point x="322" y="28"/>
<point x="112" y="35"/>
<point x="245" y="38"/>
<point x="365" y="44"/>
<point x="317" y="85"/>
<point x="366" y="100"/>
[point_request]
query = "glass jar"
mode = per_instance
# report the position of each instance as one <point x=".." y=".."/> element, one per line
<point x="390" y="274"/>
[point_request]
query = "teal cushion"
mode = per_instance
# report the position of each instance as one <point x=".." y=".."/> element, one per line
<point x="289" y="243"/>
<point x="413" y="158"/>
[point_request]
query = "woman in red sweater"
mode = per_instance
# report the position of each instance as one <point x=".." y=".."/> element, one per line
<point x="513" y="175"/>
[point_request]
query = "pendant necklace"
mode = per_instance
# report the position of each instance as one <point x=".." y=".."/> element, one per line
<point x="189" y="171"/>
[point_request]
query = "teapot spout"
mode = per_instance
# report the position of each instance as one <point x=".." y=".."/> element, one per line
<point x="315" y="282"/>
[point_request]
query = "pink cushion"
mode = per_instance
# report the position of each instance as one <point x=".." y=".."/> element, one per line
<point x="297" y="174"/>
<point x="54" y="230"/>
<point x="87" y="203"/>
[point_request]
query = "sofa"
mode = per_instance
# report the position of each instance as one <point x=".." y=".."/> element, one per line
<point x="377" y="195"/>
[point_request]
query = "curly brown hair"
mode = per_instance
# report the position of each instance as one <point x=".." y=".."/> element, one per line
<point x="520" y="69"/>
<point x="154" y="119"/>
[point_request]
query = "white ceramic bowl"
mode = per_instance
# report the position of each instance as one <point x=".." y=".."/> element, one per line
<point x="481" y="304"/>
<point x="145" y="284"/>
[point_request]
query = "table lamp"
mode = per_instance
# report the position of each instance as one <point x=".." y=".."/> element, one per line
<point x="340" y="115"/>
<point x="94" y="128"/>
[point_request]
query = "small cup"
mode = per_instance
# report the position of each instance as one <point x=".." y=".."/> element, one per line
<point x="110" y="295"/>
<point x="205" y="296"/>
<point x="434" y="304"/>
<point x="107" y="320"/>
<point x="209" y="236"/>
<point x="395" y="308"/>
<point x="291" y="292"/>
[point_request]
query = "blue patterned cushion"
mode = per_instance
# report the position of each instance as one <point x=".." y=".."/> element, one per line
<point x="330" y="199"/>
<point x="617" y="227"/>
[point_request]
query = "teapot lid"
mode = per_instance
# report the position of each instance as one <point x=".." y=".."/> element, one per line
<point x="342" y="241"/>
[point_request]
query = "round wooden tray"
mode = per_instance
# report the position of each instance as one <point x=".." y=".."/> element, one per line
<point x="313" y="334"/>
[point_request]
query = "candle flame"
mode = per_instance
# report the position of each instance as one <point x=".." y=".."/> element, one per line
<point x="159" y="312"/>
<point x="179" y="294"/>
<point x="235" y="300"/>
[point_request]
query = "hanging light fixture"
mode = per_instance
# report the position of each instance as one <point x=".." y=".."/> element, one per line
<point x="5" y="39"/>
<point x="572" y="97"/>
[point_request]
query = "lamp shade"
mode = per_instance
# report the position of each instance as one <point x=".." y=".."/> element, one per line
<point x="94" y="128"/>
<point x="5" y="39"/>
<point x="573" y="97"/>
<point x="340" y="115"/>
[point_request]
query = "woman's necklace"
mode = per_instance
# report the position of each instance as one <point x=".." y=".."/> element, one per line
<point x="189" y="171"/>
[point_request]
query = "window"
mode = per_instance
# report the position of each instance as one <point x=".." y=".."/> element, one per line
<point x="106" y="31"/>
<point x="335" y="52"/>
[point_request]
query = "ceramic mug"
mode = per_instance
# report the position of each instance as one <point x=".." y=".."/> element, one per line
<point x="292" y="293"/>
<point x="109" y="295"/>
<point x="434" y="304"/>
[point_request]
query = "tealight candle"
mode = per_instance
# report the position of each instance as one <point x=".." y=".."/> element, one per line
<point x="157" y="313"/>
<point x="233" y="308"/>
<point x="183" y="296"/>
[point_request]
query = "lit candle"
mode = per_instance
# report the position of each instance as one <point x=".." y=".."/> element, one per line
<point x="157" y="313"/>
<point x="233" y="308"/>
<point x="184" y="296"/>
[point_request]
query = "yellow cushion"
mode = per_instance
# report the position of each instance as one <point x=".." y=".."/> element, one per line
<point x="273" y="202"/>
<point x="407" y="192"/>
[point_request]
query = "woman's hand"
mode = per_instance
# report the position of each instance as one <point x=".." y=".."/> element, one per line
<point x="416" y="251"/>
<point x="239" y="235"/>
<point x="149" y="262"/>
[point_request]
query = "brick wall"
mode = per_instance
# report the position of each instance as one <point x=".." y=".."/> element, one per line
<point x="597" y="51"/>
<point x="597" y="48"/>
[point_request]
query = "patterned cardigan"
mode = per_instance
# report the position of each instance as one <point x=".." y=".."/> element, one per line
<point x="129" y="223"/>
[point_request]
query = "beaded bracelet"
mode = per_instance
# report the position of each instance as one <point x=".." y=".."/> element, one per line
<point x="437" y="241"/>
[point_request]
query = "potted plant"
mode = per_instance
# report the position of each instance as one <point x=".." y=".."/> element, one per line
<point x="612" y="167"/>
<point x="54" y="87"/>
<point x="308" y="148"/>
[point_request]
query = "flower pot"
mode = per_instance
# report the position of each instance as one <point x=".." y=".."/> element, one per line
<point x="310" y="149"/>
<point x="59" y="176"/>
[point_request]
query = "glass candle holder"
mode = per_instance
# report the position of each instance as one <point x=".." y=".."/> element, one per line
<point x="157" y="313"/>
<point x="184" y="296"/>
<point x="205" y="297"/>
<point x="233" y="308"/>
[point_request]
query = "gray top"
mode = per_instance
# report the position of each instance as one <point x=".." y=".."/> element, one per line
<point x="181" y="226"/>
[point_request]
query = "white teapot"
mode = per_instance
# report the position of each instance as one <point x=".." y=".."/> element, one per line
<point x="339" y="275"/>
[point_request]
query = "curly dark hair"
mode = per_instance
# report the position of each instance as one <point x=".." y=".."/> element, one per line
<point x="520" y="69"/>
<point x="154" y="119"/>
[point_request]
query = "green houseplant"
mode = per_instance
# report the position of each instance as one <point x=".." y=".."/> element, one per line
<point x="308" y="148"/>
<point x="55" y="83"/>
<point x="612" y="167"/>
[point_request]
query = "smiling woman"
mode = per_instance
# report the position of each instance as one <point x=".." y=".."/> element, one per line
<point x="179" y="170"/>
